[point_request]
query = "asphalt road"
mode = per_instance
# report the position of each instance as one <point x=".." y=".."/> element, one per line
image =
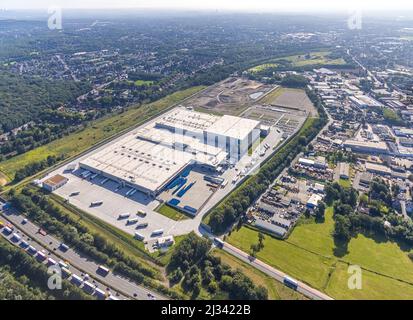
<point x="79" y="261"/>
<point x="274" y="273"/>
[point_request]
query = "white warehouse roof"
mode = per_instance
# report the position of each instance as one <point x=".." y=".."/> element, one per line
<point x="151" y="156"/>
<point x="233" y="127"/>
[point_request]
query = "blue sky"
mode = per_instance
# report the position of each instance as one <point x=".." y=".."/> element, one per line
<point x="254" y="5"/>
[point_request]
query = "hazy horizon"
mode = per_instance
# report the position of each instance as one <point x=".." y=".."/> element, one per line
<point x="229" y="5"/>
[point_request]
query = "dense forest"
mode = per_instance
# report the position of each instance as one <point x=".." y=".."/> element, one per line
<point x="24" y="98"/>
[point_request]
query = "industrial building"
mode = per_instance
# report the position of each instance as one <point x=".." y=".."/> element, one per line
<point x="367" y="146"/>
<point x="54" y="183"/>
<point x="378" y="169"/>
<point x="363" y="101"/>
<point x="313" y="201"/>
<point x="149" y="158"/>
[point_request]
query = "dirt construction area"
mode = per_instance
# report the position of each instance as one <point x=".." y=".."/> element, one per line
<point x="231" y="96"/>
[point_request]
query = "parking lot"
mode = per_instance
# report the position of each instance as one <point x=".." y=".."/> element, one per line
<point x="287" y="120"/>
<point x="82" y="192"/>
<point x="197" y="195"/>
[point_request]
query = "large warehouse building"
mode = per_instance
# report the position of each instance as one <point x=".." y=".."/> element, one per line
<point x="152" y="156"/>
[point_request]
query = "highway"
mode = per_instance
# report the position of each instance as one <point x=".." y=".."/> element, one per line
<point x="38" y="247"/>
<point x="76" y="260"/>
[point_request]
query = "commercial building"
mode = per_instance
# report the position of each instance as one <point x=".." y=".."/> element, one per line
<point x="150" y="157"/>
<point x="403" y="132"/>
<point x="233" y="134"/>
<point x="271" y="228"/>
<point x="406" y="142"/>
<point x="54" y="182"/>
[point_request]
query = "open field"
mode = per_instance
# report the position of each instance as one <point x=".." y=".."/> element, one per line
<point x="262" y="67"/>
<point x="309" y="255"/>
<point x="94" y="133"/>
<point x="142" y="82"/>
<point x="373" y="286"/>
<point x="276" y="290"/>
<point x="315" y="58"/>
<point x="171" y="213"/>
<point x="311" y="268"/>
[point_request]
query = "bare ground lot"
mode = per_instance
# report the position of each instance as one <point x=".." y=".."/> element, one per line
<point x="293" y="99"/>
<point x="231" y="96"/>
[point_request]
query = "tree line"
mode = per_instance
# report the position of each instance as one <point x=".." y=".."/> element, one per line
<point x="195" y="269"/>
<point x="349" y="221"/>
<point x="35" y="167"/>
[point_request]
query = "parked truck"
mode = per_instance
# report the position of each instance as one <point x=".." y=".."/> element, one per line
<point x="291" y="283"/>
<point x="132" y="221"/>
<point x="124" y="216"/>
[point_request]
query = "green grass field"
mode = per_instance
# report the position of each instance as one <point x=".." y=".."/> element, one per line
<point x="316" y="58"/>
<point x="309" y="255"/>
<point x="345" y="183"/>
<point x="171" y="213"/>
<point x="96" y="131"/>
<point x="276" y="290"/>
<point x="142" y="82"/>
<point x="373" y="286"/>
<point x="262" y="67"/>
